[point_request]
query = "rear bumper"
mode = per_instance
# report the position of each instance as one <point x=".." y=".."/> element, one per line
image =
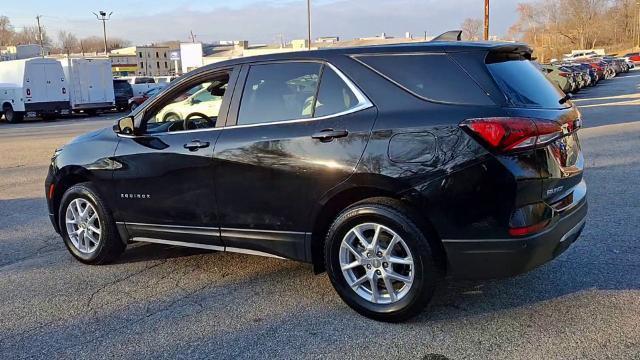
<point x="496" y="258"/>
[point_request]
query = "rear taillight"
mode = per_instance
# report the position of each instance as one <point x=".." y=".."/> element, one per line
<point x="564" y="74"/>
<point x="512" y="133"/>
<point x="526" y="230"/>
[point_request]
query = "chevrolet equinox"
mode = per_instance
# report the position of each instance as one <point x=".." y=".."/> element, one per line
<point x="388" y="167"/>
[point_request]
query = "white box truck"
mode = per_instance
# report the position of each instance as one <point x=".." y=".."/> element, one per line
<point x="35" y="87"/>
<point x="90" y="84"/>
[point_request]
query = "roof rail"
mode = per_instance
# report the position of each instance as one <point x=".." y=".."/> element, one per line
<point x="453" y="35"/>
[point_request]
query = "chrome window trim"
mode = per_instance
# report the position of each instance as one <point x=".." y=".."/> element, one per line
<point x="363" y="103"/>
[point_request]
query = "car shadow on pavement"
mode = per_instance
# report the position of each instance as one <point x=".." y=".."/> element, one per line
<point x="137" y="252"/>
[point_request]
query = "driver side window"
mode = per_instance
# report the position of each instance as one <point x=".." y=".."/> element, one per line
<point x="195" y="107"/>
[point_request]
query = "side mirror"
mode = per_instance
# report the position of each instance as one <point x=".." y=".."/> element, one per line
<point x="195" y="101"/>
<point x="124" y="126"/>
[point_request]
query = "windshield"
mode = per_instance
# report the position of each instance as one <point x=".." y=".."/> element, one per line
<point x="526" y="86"/>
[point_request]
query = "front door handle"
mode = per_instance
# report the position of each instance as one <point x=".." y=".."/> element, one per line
<point x="328" y="135"/>
<point x="194" y="145"/>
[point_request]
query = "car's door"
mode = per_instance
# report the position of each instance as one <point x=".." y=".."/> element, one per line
<point x="295" y="130"/>
<point x="164" y="175"/>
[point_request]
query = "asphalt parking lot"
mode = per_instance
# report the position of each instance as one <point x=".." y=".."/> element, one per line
<point x="163" y="301"/>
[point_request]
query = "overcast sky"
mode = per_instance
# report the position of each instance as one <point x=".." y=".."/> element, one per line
<point x="262" y="21"/>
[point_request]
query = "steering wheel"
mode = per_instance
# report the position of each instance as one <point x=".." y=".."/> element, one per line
<point x="198" y="120"/>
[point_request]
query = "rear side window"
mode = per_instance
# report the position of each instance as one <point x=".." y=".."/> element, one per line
<point x="279" y="91"/>
<point x="524" y="85"/>
<point x="430" y="76"/>
<point x="334" y="96"/>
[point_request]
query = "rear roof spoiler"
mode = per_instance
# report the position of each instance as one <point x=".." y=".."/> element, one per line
<point x="453" y="35"/>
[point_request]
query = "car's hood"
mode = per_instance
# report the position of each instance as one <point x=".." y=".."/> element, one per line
<point x="88" y="136"/>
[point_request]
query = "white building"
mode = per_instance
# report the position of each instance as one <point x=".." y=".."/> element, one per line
<point x="150" y="60"/>
<point x="190" y="56"/>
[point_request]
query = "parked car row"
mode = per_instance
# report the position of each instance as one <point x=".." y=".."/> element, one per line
<point x="572" y="75"/>
<point x="135" y="90"/>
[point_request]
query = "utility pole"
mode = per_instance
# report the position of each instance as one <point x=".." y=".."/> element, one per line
<point x="104" y="17"/>
<point x="193" y="36"/>
<point x="308" y="24"/>
<point x="486" y="20"/>
<point x="638" y="32"/>
<point x="40" y="39"/>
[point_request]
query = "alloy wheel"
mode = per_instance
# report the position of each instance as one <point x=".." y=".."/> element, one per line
<point x="376" y="263"/>
<point x="83" y="225"/>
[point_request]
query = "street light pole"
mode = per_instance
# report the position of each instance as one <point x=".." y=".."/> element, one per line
<point x="486" y="20"/>
<point x="103" y="16"/>
<point x="308" y="24"/>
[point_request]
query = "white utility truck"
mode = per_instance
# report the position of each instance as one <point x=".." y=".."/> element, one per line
<point x="33" y="87"/>
<point x="90" y="84"/>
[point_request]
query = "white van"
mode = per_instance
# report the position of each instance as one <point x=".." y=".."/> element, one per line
<point x="90" y="84"/>
<point x="38" y="86"/>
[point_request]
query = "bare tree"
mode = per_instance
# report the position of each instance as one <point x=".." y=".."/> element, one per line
<point x="471" y="29"/>
<point x="555" y="27"/>
<point x="6" y="31"/>
<point x="30" y="35"/>
<point x="68" y="42"/>
<point x="96" y="43"/>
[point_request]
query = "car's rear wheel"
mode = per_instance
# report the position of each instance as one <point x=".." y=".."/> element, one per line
<point x="87" y="227"/>
<point x="379" y="261"/>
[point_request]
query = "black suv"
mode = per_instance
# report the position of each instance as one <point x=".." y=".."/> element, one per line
<point x="386" y="166"/>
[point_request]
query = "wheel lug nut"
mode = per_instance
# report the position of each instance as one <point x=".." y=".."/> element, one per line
<point x="379" y="254"/>
<point x="368" y="266"/>
<point x="368" y="254"/>
<point x="378" y="272"/>
<point x="385" y="265"/>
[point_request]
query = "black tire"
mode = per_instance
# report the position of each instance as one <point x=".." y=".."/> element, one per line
<point x="133" y="106"/>
<point x="12" y="116"/>
<point x="110" y="245"/>
<point x="91" y="112"/>
<point x="395" y="216"/>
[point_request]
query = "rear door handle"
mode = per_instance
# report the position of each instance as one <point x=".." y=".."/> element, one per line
<point x="194" y="145"/>
<point x="327" y="135"/>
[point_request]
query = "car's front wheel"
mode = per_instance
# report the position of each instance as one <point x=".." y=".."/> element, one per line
<point x="379" y="261"/>
<point x="87" y="227"/>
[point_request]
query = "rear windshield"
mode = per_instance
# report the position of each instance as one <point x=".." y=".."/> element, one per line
<point x="430" y="76"/>
<point x="526" y="86"/>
